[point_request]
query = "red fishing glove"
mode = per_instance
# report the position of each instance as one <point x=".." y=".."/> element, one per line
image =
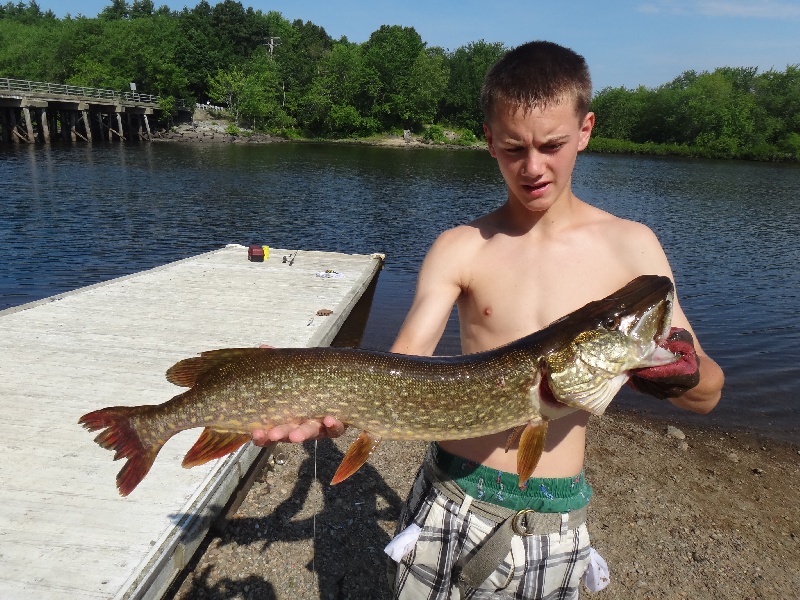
<point x="670" y="381"/>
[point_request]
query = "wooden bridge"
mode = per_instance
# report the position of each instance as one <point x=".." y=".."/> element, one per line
<point x="33" y="111"/>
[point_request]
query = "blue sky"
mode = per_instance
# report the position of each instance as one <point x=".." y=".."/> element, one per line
<point x="626" y="43"/>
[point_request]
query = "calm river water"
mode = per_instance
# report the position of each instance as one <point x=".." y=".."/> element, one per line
<point x="74" y="216"/>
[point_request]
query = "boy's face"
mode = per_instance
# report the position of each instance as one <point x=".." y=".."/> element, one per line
<point x="536" y="151"/>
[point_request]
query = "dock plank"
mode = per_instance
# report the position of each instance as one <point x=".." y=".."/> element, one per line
<point x="64" y="530"/>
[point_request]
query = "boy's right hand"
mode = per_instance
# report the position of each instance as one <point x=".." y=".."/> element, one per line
<point x="329" y="427"/>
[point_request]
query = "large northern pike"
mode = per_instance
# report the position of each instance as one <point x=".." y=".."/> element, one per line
<point x="580" y="360"/>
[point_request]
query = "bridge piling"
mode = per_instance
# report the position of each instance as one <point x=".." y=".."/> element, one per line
<point x="26" y="116"/>
<point x="44" y="127"/>
<point x="87" y="125"/>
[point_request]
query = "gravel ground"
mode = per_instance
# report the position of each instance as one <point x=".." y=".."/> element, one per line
<point x="687" y="513"/>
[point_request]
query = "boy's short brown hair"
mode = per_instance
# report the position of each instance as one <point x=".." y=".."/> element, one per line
<point x="536" y="75"/>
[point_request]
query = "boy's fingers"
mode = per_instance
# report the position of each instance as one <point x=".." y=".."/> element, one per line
<point x="260" y="438"/>
<point x="307" y="431"/>
<point x="328" y="427"/>
<point x="333" y="426"/>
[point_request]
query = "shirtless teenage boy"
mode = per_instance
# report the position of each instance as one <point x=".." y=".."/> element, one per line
<point x="539" y="256"/>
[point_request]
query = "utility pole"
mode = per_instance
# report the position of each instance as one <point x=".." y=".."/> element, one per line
<point x="273" y="43"/>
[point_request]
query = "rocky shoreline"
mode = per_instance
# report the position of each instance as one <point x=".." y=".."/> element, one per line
<point x="205" y="129"/>
<point x="677" y="513"/>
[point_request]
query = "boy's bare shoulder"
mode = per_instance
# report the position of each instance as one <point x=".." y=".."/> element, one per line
<point x="464" y="236"/>
<point x="621" y="231"/>
<point x="633" y="242"/>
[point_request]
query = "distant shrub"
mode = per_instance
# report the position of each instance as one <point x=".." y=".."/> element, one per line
<point x="434" y="134"/>
<point x="288" y="133"/>
<point x="369" y="126"/>
<point x="466" y="137"/>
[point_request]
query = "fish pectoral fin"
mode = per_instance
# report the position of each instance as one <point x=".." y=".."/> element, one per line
<point x="213" y="444"/>
<point x="358" y="453"/>
<point x="531" y="446"/>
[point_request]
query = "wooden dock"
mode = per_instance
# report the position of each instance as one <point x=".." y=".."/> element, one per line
<point x="64" y="530"/>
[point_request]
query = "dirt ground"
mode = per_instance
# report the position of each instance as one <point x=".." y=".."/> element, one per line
<point x="686" y="513"/>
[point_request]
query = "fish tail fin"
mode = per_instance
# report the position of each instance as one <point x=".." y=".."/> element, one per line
<point x="119" y="434"/>
<point x="213" y="444"/>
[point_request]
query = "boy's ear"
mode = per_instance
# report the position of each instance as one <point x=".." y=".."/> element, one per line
<point x="489" y="142"/>
<point x="586" y="131"/>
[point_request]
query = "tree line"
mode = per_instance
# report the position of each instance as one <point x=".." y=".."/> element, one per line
<point x="727" y="113"/>
<point x="292" y="78"/>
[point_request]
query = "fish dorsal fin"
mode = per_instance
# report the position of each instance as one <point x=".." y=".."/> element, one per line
<point x="358" y="453"/>
<point x="187" y="372"/>
<point x="531" y="446"/>
<point x="213" y="444"/>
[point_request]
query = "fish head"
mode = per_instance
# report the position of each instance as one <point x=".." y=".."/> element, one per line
<point x="599" y="344"/>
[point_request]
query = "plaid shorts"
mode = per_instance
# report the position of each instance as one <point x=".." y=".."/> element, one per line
<point x="538" y="566"/>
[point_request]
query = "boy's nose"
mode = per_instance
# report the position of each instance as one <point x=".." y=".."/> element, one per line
<point x="534" y="164"/>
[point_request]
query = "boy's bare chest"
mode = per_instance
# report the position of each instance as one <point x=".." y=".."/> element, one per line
<point x="511" y="296"/>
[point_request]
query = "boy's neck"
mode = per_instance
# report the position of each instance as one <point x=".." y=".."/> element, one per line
<point x="559" y="215"/>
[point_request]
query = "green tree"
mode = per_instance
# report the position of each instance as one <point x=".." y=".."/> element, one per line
<point x="426" y="85"/>
<point x="198" y="51"/>
<point x="252" y="92"/>
<point x="302" y="46"/>
<point x="390" y="55"/>
<point x="332" y="105"/>
<point x="467" y="68"/>
<point x="777" y="95"/>
<point x="238" y="31"/>
<point x="118" y="9"/>
<point x="721" y="112"/>
<point x="618" y="113"/>
<point x="142" y="9"/>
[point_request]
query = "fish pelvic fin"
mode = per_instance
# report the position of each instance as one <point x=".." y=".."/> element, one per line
<point x="514" y="436"/>
<point x="119" y="434"/>
<point x="531" y="446"/>
<point x="358" y="453"/>
<point x="213" y="444"/>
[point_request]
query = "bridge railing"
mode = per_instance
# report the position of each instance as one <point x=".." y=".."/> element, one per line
<point x="59" y="89"/>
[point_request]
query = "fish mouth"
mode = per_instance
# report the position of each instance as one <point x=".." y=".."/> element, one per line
<point x="610" y="338"/>
<point x="645" y="312"/>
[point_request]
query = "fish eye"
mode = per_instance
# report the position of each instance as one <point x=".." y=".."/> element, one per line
<point x="611" y="322"/>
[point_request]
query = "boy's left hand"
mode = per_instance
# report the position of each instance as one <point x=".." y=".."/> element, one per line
<point x="673" y="380"/>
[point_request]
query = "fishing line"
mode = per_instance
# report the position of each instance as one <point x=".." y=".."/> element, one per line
<point x="314" y="519"/>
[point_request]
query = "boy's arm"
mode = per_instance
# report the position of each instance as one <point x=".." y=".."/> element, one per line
<point x="438" y="288"/>
<point x="437" y="291"/>
<point x="705" y="395"/>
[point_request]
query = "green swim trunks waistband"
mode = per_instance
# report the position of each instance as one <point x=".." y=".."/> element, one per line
<point x="557" y="494"/>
